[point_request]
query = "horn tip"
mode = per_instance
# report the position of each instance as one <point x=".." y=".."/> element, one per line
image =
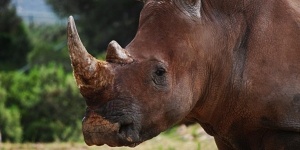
<point x="71" y="19"/>
<point x="114" y="44"/>
<point x="71" y="26"/>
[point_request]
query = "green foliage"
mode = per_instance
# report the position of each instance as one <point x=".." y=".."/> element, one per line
<point x="9" y="119"/>
<point x="49" y="103"/>
<point x="49" y="44"/>
<point x="100" y="21"/>
<point x="14" y="40"/>
<point x="40" y="102"/>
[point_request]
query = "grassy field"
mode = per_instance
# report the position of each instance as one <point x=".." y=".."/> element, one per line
<point x="179" y="138"/>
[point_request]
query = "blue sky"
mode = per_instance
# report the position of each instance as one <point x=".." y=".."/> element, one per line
<point x="35" y="11"/>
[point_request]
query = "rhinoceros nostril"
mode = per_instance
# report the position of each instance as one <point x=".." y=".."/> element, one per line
<point x="129" y="134"/>
<point x="125" y="127"/>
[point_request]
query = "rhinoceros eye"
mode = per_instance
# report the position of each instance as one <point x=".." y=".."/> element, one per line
<point x="159" y="76"/>
<point x="160" y="71"/>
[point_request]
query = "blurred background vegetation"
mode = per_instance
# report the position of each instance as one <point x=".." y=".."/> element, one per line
<point x="39" y="101"/>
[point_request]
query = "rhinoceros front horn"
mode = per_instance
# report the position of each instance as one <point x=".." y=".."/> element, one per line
<point x="91" y="74"/>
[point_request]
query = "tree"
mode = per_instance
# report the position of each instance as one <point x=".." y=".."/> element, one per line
<point x="14" y="41"/>
<point x="10" y="126"/>
<point x="49" y="45"/>
<point x="101" y="21"/>
<point x="42" y="105"/>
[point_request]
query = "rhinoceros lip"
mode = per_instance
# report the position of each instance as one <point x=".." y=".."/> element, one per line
<point x="122" y="137"/>
<point x="120" y="132"/>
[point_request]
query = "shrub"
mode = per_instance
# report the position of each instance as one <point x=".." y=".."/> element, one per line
<point x="10" y="127"/>
<point x="49" y="103"/>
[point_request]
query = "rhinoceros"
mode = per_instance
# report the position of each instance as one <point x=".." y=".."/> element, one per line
<point x="232" y="66"/>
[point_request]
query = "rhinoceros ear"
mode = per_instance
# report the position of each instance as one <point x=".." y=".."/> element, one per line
<point x="192" y="2"/>
<point x="192" y="7"/>
<point x="116" y="54"/>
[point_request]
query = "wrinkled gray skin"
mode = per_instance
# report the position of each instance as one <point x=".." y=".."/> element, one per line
<point x="232" y="66"/>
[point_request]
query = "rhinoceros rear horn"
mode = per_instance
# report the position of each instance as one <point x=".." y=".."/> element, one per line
<point x="116" y="54"/>
<point x="90" y="73"/>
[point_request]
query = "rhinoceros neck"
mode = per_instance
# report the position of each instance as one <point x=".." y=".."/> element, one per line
<point x="226" y="60"/>
<point x="246" y="63"/>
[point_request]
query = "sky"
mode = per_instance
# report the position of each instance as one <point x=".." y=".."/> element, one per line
<point x="35" y="11"/>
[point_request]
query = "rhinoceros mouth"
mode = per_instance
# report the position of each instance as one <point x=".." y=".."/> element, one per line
<point x="100" y="131"/>
<point x="114" y="128"/>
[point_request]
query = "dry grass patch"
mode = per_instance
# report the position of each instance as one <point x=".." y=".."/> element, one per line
<point x="179" y="138"/>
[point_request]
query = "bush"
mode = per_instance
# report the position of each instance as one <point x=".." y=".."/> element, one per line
<point x="49" y="44"/>
<point x="10" y="127"/>
<point x="49" y="104"/>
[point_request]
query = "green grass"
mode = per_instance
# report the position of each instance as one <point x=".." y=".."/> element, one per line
<point x="179" y="138"/>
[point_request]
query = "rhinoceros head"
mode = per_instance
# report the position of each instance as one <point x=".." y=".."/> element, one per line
<point x="145" y="88"/>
